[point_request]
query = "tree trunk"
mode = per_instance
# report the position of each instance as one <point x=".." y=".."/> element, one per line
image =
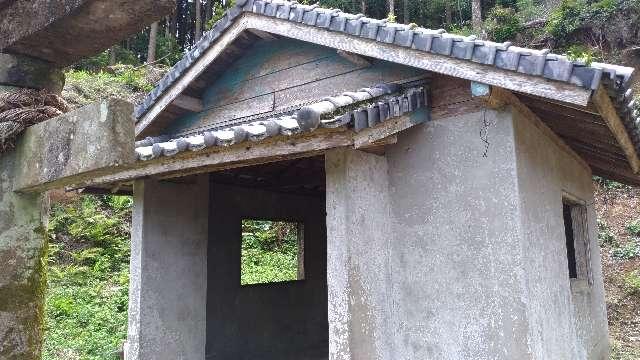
<point x="208" y="12"/>
<point x="476" y="15"/>
<point x="447" y="13"/>
<point x="153" y="36"/>
<point x="405" y="11"/>
<point x="112" y="55"/>
<point x="363" y="7"/>
<point x="167" y="28"/>
<point x="198" y="20"/>
<point x="392" y="11"/>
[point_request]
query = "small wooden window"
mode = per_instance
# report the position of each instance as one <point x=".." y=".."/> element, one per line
<point x="272" y="251"/>
<point x="576" y="239"/>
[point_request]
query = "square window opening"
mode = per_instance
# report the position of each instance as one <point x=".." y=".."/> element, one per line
<point x="574" y="215"/>
<point x="271" y="252"/>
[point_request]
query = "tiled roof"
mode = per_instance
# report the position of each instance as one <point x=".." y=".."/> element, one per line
<point x="372" y="106"/>
<point x="504" y="56"/>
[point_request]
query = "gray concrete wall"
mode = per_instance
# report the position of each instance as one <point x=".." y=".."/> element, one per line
<point x="458" y="265"/>
<point x="168" y="285"/>
<point x="22" y="255"/>
<point x="359" y="274"/>
<point x="265" y="321"/>
<point x="475" y="266"/>
<point x="567" y="319"/>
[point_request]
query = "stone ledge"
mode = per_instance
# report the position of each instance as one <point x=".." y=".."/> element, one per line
<point x="97" y="136"/>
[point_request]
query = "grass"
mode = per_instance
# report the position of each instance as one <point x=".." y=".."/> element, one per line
<point x="124" y="82"/>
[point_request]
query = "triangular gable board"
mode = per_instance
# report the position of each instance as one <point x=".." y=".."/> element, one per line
<point x="275" y="77"/>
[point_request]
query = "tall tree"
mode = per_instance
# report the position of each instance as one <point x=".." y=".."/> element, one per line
<point x="198" y="15"/>
<point x="153" y="40"/>
<point x="392" y="12"/>
<point x="208" y="11"/>
<point x="405" y="11"/>
<point x="476" y="15"/>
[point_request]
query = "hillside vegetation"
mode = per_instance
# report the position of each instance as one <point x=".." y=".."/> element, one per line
<point x="86" y="306"/>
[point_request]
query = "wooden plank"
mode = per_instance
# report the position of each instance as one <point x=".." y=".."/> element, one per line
<point x="263" y="35"/>
<point x="501" y="97"/>
<point x="608" y="112"/>
<point x="95" y="139"/>
<point x="201" y="64"/>
<point x="224" y="115"/>
<point x="490" y="75"/>
<point x="213" y="159"/>
<point x="188" y="103"/>
<point x="303" y="94"/>
<point x="437" y="63"/>
<point x="223" y="93"/>
<point x="373" y="135"/>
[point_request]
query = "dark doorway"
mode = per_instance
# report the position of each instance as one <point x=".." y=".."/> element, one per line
<point x="273" y="320"/>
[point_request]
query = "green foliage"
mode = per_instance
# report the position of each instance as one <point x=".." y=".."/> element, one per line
<point x="605" y="235"/>
<point x="627" y="251"/>
<point x="391" y="18"/>
<point x="86" y="302"/>
<point x="269" y="252"/>
<point x="581" y="54"/>
<point x="218" y="13"/>
<point x="83" y="87"/>
<point x="101" y="61"/>
<point x="574" y="15"/>
<point x="502" y="24"/>
<point x="632" y="283"/>
<point x="634" y="228"/>
<point x="609" y="184"/>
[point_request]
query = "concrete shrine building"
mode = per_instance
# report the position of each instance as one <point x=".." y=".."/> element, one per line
<point x="442" y="188"/>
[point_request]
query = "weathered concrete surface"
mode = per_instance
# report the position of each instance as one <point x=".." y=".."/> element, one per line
<point x="570" y="320"/>
<point x="96" y="136"/>
<point x="265" y="321"/>
<point x="359" y="259"/>
<point x="65" y="31"/>
<point x="26" y="72"/>
<point x="168" y="285"/>
<point x="476" y="252"/>
<point x="22" y="255"/>
<point x="22" y="278"/>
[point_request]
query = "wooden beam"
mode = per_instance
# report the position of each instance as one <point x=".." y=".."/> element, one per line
<point x="263" y="35"/>
<point x="213" y="159"/>
<point x="501" y="97"/>
<point x="440" y="64"/>
<point x="375" y="136"/>
<point x="356" y="59"/>
<point x="609" y="113"/>
<point x="511" y="80"/>
<point x="193" y="72"/>
<point x="188" y="103"/>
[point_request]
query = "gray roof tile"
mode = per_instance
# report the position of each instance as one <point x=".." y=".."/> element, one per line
<point x="503" y="56"/>
<point x="377" y="104"/>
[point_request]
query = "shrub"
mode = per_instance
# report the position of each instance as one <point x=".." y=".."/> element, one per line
<point x="502" y="24"/>
<point x="87" y="297"/>
<point x="605" y="235"/>
<point x="626" y="252"/>
<point x="566" y="19"/>
<point x="632" y="283"/>
<point x="634" y="228"/>
<point x="585" y="55"/>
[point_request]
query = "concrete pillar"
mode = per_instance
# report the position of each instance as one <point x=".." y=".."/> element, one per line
<point x="22" y="230"/>
<point x="168" y="285"/>
<point x="358" y="256"/>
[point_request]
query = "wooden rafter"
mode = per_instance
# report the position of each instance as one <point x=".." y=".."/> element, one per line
<point x="608" y="112"/>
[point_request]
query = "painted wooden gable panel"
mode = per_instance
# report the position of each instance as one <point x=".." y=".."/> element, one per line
<point x="275" y="77"/>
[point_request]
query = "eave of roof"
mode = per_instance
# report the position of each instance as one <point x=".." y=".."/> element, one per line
<point x="373" y="106"/>
<point x="539" y="63"/>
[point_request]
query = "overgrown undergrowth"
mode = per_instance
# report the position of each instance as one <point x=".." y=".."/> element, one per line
<point x="87" y="296"/>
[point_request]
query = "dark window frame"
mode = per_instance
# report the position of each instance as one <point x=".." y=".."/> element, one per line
<point x="577" y="238"/>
